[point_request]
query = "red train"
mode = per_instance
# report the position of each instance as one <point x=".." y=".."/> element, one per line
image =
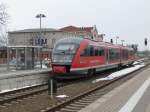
<point x="84" y="56"/>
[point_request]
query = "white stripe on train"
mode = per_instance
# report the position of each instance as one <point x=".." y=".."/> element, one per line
<point x="98" y="66"/>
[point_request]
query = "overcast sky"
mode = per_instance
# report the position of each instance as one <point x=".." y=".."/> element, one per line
<point x="128" y="19"/>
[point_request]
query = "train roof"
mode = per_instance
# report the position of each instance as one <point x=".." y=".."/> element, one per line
<point x="78" y="40"/>
<point x="108" y="44"/>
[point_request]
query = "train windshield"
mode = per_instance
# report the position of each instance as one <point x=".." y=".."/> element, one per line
<point x="64" y="53"/>
<point x="66" y="47"/>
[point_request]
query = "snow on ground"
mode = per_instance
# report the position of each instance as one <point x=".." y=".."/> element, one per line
<point x="62" y="96"/>
<point x="138" y="62"/>
<point x="120" y="73"/>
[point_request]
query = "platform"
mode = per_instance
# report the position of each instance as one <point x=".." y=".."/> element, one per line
<point x="16" y="73"/>
<point x="12" y="80"/>
<point x="132" y="96"/>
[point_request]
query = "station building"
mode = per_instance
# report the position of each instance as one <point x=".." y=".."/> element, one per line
<point x="30" y="45"/>
<point x="3" y="54"/>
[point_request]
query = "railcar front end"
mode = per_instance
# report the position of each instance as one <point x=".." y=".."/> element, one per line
<point x="63" y="55"/>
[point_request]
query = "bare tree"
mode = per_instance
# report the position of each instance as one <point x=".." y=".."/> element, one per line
<point x="3" y="14"/>
<point x="3" y="36"/>
<point x="3" y="21"/>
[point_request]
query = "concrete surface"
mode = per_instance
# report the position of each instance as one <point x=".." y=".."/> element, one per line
<point x="115" y="100"/>
<point x="11" y="80"/>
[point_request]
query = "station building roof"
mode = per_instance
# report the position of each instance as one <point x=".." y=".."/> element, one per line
<point x="35" y="30"/>
<point x="76" y="29"/>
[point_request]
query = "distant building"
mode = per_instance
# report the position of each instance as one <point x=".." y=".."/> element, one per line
<point x="87" y="32"/>
<point x="34" y="38"/>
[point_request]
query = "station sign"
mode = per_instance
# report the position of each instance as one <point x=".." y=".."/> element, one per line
<point x="38" y="41"/>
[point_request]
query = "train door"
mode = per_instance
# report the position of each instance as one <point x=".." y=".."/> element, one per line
<point x="106" y="55"/>
<point x="120" y="56"/>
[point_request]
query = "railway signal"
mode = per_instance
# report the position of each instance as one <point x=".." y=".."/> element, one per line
<point x="111" y="41"/>
<point x="122" y="41"/>
<point x="145" y="42"/>
<point x="146" y="49"/>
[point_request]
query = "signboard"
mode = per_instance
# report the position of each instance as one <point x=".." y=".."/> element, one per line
<point x="38" y="41"/>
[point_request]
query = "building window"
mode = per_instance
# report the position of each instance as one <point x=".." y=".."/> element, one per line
<point x="53" y="42"/>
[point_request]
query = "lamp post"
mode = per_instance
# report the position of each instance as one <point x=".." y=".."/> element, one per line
<point x="122" y="41"/>
<point x="117" y="39"/>
<point x="39" y="40"/>
<point x="40" y="16"/>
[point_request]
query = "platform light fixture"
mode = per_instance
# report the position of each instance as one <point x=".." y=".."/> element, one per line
<point x="122" y="41"/>
<point x="40" y="16"/>
<point x="117" y="39"/>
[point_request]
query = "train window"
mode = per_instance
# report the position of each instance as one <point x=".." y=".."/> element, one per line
<point x="114" y="54"/>
<point x="91" y="51"/>
<point x="86" y="52"/>
<point x="117" y="54"/>
<point x="101" y="51"/>
<point x="131" y="53"/>
<point x="111" y="54"/>
<point x="124" y="54"/>
<point x="96" y="51"/>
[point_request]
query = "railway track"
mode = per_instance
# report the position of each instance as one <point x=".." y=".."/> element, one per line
<point x="9" y="97"/>
<point x="80" y="101"/>
<point x="22" y="93"/>
<point x="12" y="96"/>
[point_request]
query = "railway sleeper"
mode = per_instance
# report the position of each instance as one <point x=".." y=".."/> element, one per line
<point x="14" y="102"/>
<point x="81" y="103"/>
<point x="88" y="99"/>
<point x="72" y="108"/>
<point x="9" y="96"/>
<point x="93" y="95"/>
<point x="7" y="104"/>
<point x="77" y="105"/>
<point x="67" y="110"/>
<point x="2" y="106"/>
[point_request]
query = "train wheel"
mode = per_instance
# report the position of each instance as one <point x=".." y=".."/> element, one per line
<point x="90" y="72"/>
<point x="94" y="71"/>
<point x="119" y="66"/>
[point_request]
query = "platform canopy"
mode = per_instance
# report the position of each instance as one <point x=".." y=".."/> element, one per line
<point x="24" y="57"/>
